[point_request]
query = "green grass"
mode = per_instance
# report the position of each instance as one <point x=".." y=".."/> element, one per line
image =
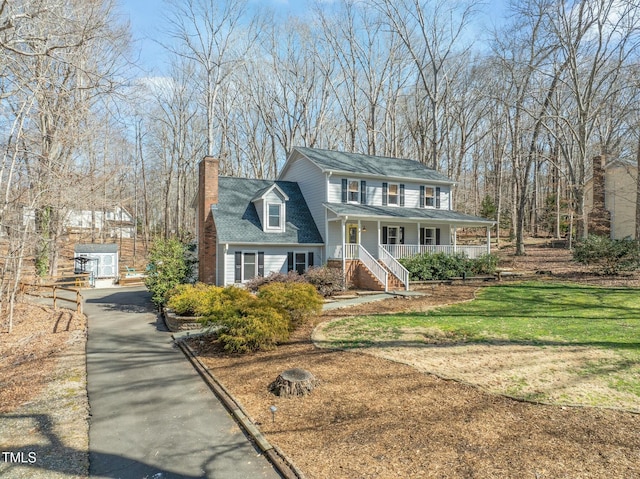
<point x="544" y="313"/>
<point x="537" y="313"/>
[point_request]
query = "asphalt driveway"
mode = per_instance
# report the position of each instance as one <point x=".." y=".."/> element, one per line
<point x="151" y="414"/>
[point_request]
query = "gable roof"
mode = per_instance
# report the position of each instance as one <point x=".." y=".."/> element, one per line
<point x="264" y="191"/>
<point x="237" y="220"/>
<point x="368" y="165"/>
<point x="414" y="214"/>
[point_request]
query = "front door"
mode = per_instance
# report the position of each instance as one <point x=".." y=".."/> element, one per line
<point x="352" y="235"/>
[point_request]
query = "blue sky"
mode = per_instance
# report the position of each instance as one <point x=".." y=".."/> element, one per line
<point x="147" y="23"/>
<point x="146" y="19"/>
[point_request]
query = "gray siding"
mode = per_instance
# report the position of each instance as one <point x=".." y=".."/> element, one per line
<point x="374" y="192"/>
<point x="275" y="259"/>
<point x="312" y="183"/>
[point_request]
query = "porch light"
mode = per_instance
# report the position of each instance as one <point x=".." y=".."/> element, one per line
<point x="364" y="229"/>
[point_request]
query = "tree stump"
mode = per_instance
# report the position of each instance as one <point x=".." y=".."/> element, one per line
<point x="293" y="382"/>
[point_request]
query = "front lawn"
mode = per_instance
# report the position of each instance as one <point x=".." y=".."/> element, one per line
<point x="552" y="342"/>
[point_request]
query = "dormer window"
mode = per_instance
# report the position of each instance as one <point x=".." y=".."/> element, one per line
<point x="270" y="203"/>
<point x="275" y="215"/>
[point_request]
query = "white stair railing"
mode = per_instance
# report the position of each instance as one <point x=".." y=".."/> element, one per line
<point x="376" y="268"/>
<point x="394" y="266"/>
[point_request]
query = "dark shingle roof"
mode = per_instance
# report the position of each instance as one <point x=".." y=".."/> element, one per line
<point x="338" y="161"/>
<point x="394" y="212"/>
<point x="237" y="220"/>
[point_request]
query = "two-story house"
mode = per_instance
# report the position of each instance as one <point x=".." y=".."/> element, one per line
<point x="358" y="212"/>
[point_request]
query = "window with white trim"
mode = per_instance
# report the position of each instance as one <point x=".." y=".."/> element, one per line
<point x="299" y="261"/>
<point x="249" y="266"/>
<point x="274" y="213"/>
<point x="429" y="236"/>
<point x="393" y="235"/>
<point x="353" y="191"/>
<point x="429" y="196"/>
<point x="393" y="195"/>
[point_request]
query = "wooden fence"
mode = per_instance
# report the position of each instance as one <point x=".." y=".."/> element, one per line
<point x="55" y="289"/>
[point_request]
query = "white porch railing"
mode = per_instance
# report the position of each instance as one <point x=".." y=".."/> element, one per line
<point x="408" y="250"/>
<point x="394" y="266"/>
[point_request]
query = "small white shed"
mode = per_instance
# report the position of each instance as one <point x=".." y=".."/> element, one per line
<point x="99" y="259"/>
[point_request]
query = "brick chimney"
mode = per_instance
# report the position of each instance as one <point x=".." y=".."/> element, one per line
<point x="599" y="217"/>
<point x="207" y="235"/>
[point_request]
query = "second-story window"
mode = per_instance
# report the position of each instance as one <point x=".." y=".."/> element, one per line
<point x="394" y="194"/>
<point x="429" y="196"/>
<point x="354" y="191"/>
<point x="275" y="213"/>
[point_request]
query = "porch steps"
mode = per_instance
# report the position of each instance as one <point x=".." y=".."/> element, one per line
<point x="393" y="282"/>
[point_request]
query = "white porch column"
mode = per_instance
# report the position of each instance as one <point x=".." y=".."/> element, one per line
<point x="455" y="239"/>
<point x="488" y="239"/>
<point x="344" y="261"/>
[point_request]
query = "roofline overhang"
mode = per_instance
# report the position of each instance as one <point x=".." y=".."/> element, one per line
<point x="478" y="223"/>
<point x="261" y="244"/>
<point x="399" y="179"/>
<point x="361" y="175"/>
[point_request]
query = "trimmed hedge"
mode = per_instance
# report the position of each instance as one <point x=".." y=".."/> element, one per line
<point x="441" y="266"/>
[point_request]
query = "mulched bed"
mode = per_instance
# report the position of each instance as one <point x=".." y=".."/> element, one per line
<point x="43" y="398"/>
<point x="374" y="418"/>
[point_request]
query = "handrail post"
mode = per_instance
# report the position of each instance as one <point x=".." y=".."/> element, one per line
<point x="78" y="302"/>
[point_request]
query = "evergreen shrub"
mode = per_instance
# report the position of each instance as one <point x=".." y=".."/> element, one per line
<point x="608" y="256"/>
<point x="296" y="301"/>
<point x="441" y="266"/>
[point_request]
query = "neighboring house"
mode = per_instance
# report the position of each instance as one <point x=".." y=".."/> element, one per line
<point x="610" y="198"/>
<point x="116" y="221"/>
<point x="357" y="212"/>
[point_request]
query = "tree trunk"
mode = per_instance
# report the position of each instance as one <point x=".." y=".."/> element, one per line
<point x="638" y="192"/>
<point x="293" y="382"/>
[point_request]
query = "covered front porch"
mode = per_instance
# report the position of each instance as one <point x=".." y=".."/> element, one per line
<point x="378" y="243"/>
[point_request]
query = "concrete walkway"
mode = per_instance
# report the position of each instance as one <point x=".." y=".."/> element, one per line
<point x="151" y="414"/>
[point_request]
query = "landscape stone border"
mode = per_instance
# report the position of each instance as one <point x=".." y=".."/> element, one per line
<point x="278" y="459"/>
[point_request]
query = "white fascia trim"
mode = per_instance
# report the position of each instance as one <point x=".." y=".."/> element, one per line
<point x="268" y="245"/>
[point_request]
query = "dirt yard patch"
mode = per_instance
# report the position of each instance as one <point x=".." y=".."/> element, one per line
<point x="43" y="399"/>
<point x="371" y="417"/>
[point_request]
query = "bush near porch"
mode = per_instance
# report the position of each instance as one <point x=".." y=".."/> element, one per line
<point x="441" y="266"/>
<point x="245" y="322"/>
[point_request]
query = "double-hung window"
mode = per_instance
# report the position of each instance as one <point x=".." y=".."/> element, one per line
<point x="274" y="211"/>
<point x="429" y="196"/>
<point x="248" y="264"/>
<point x="394" y="194"/>
<point x="299" y="261"/>
<point x="353" y="191"/>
